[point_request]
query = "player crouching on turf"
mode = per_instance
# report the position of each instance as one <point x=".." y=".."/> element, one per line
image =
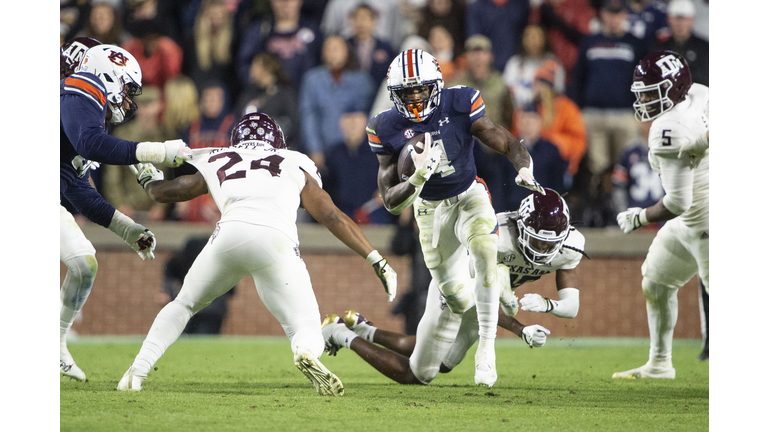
<point x="534" y="241"/>
<point x="257" y="184"/>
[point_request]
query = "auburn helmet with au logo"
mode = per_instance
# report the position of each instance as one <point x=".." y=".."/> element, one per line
<point x="121" y="75"/>
<point x="661" y="80"/>
<point x="415" y="68"/>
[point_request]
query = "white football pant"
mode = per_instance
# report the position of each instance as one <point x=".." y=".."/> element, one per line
<point x="78" y="254"/>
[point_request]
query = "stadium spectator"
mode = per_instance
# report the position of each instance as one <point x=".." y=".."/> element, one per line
<point x="181" y="105"/>
<point x="566" y="22"/>
<point x="549" y="167"/>
<point x="681" y="15"/>
<point x="105" y="25"/>
<point x="337" y="18"/>
<point x="159" y="56"/>
<point x="445" y="53"/>
<point x="480" y="74"/>
<point x="701" y="21"/>
<point x="449" y="14"/>
<point x="648" y="21"/>
<point x="501" y="21"/>
<point x="373" y="54"/>
<point x="350" y="175"/>
<point x="601" y="87"/>
<point x="210" y="318"/>
<point x="520" y="69"/>
<point x="257" y="237"/>
<point x="562" y="123"/>
<point x="270" y="90"/>
<point x="325" y="93"/>
<point x="297" y="40"/>
<point x="118" y="182"/>
<point x="208" y="53"/>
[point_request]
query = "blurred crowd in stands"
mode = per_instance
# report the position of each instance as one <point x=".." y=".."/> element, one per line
<point x="557" y="73"/>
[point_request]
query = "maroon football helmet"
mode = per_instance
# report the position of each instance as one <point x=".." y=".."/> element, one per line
<point x="661" y="81"/>
<point x="543" y="225"/>
<point x="258" y="128"/>
<point x="72" y="52"/>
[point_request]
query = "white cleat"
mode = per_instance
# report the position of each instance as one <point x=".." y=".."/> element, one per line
<point x="68" y="367"/>
<point x="334" y="331"/>
<point x="324" y="381"/>
<point x="647" y="371"/>
<point x="131" y="381"/>
<point x="485" y="369"/>
<point x="485" y="375"/>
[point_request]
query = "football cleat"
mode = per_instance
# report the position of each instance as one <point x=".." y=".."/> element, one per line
<point x="485" y="368"/>
<point x="131" y="381"/>
<point x="647" y="371"/>
<point x="332" y="326"/>
<point x="68" y="367"/>
<point x="358" y="324"/>
<point x="324" y="381"/>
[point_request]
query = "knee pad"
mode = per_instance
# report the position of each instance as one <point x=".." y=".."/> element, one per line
<point x="81" y="272"/>
<point x="656" y="293"/>
<point x="483" y="249"/>
<point x="458" y="296"/>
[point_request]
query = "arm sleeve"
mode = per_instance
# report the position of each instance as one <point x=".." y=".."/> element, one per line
<point x="677" y="180"/>
<point x="84" y="125"/>
<point x="568" y="305"/>
<point x="89" y="202"/>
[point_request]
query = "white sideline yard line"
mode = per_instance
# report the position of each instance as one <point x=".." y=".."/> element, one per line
<point x="582" y="342"/>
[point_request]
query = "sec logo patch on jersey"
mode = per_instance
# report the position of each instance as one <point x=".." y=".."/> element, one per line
<point x="409" y="133"/>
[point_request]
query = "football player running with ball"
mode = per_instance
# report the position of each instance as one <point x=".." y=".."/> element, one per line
<point x="258" y="185"/>
<point x="452" y="209"/>
<point x="678" y="143"/>
<point x="534" y="241"/>
<point x="98" y="83"/>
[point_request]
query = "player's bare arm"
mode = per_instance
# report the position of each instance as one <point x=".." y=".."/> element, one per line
<point x="501" y="140"/>
<point x="566" y="279"/>
<point x="183" y="188"/>
<point x="319" y="204"/>
<point x="393" y="192"/>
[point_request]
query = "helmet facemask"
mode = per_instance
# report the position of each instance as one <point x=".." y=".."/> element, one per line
<point x="411" y="69"/>
<point x="651" y="100"/>
<point x="542" y="247"/>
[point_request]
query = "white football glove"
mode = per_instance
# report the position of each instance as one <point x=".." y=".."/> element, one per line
<point x="136" y="235"/>
<point x="534" y="335"/>
<point x="385" y="272"/>
<point x="532" y="302"/>
<point x="146" y="173"/>
<point x="425" y="162"/>
<point x="169" y="153"/>
<point x="632" y="219"/>
<point x="525" y="179"/>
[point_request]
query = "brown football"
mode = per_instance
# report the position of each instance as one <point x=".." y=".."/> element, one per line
<point x="405" y="167"/>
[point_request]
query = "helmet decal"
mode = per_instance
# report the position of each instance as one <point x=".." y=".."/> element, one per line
<point x="118" y="58"/>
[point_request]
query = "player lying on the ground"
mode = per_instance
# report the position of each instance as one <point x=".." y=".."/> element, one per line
<point x="257" y="184"/>
<point x="534" y="241"/>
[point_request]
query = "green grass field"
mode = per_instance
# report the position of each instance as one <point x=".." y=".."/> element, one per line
<point x="251" y="384"/>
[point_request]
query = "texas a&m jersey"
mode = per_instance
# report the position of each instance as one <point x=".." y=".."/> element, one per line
<point x="257" y="184"/>
<point x="679" y="126"/>
<point x="520" y="269"/>
<point x="450" y="126"/>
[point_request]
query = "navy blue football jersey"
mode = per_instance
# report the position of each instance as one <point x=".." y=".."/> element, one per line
<point x="451" y="128"/>
<point x="84" y="138"/>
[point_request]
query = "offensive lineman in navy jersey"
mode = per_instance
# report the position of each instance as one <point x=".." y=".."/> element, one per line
<point x="98" y="83"/>
<point x="452" y="209"/>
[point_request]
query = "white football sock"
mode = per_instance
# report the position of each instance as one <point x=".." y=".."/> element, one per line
<point x="166" y="328"/>
<point x="661" y="305"/>
<point x="81" y="272"/>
